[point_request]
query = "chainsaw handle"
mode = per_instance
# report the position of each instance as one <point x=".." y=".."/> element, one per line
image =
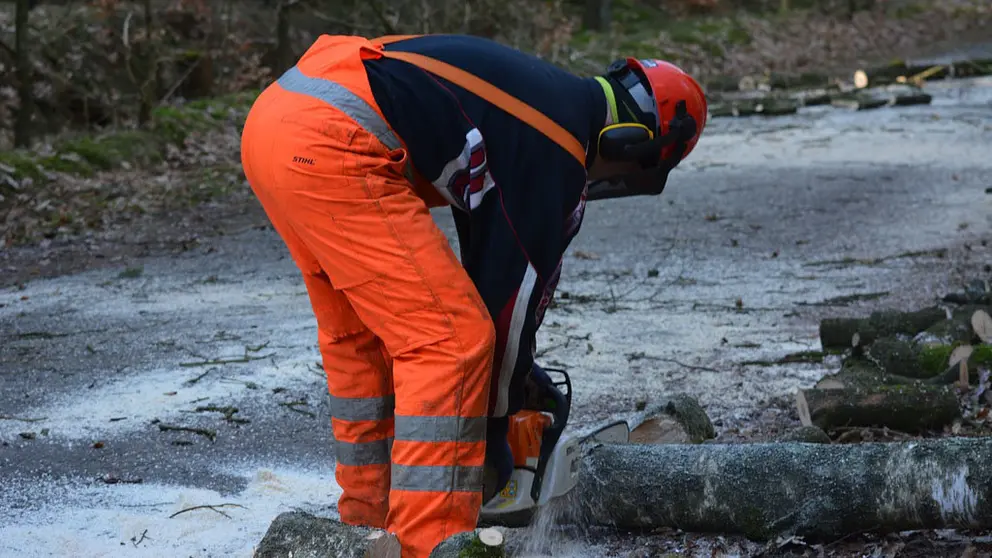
<point x="562" y="403"/>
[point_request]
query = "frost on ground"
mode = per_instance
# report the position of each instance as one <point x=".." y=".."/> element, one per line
<point x="81" y="519"/>
<point x="775" y="224"/>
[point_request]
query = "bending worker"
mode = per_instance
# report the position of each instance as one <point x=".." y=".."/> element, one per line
<point x="426" y="356"/>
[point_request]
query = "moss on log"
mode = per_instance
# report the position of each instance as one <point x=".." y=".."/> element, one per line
<point x="837" y="332"/>
<point x="485" y="543"/>
<point x="980" y="357"/>
<point x="901" y="357"/>
<point x="302" y="535"/>
<point x="956" y="329"/>
<point x="690" y="415"/>
<point x="906" y="408"/>
<point x="817" y="491"/>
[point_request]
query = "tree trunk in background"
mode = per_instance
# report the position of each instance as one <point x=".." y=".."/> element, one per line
<point x="597" y="15"/>
<point x="284" y="50"/>
<point x="22" y="126"/>
<point x="784" y="6"/>
<point x="149" y="76"/>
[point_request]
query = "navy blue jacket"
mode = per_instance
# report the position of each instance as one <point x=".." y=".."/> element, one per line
<point x="517" y="197"/>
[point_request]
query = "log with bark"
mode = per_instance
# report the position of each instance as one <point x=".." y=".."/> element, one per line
<point x="680" y="420"/>
<point x="906" y="408"/>
<point x="918" y="71"/>
<point x="901" y="357"/>
<point x="859" y="372"/>
<point x="956" y="329"/>
<point x="836" y="333"/>
<point x="817" y="491"/>
<point x="763" y="491"/>
<point x="859" y="101"/>
<point x="302" y="535"/>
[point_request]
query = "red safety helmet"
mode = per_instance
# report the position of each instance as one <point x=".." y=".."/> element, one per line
<point x="669" y="85"/>
<point x="669" y="111"/>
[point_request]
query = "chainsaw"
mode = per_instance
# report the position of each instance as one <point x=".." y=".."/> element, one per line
<point x="546" y="457"/>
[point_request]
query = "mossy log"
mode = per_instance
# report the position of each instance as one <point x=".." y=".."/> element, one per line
<point x="484" y="543"/>
<point x="904" y="358"/>
<point x="979" y="357"/>
<point x="817" y="491"/>
<point x="956" y="329"/>
<point x="906" y="408"/>
<point x="977" y="291"/>
<point x="302" y="535"/>
<point x="836" y="333"/>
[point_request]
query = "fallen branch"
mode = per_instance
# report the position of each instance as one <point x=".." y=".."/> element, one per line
<point x="639" y="355"/>
<point x="291" y="405"/>
<point x="212" y="507"/>
<point x="220" y="361"/>
<point x="22" y="419"/>
<point x="227" y="411"/>
<point x="212" y="435"/>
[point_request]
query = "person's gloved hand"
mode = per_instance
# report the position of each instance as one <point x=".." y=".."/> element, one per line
<point x="499" y="458"/>
<point x="541" y="393"/>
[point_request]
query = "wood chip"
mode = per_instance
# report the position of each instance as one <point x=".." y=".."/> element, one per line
<point x="982" y="324"/>
<point x="490" y="537"/>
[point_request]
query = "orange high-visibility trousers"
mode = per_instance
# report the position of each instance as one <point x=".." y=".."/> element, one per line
<point x="406" y="339"/>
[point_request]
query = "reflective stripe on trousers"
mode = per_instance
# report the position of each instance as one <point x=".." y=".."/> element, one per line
<point x="411" y="429"/>
<point x="345" y="101"/>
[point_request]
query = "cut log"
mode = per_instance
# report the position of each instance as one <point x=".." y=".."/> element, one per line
<point x="981" y="323"/>
<point x="763" y="491"/>
<point x="980" y="357"/>
<point x="901" y="357"/>
<point x="857" y="371"/>
<point x="956" y="329"/>
<point x="484" y="543"/>
<point x="303" y="535"/>
<point x="859" y="101"/>
<point x="921" y="70"/>
<point x="836" y="333"/>
<point x="906" y="408"/>
<point x="887" y="74"/>
<point x="721" y="110"/>
<point x="778" y="107"/>
<point x="975" y="292"/>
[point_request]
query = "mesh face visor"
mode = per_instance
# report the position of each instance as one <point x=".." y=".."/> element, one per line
<point x="645" y="182"/>
<point x="651" y="180"/>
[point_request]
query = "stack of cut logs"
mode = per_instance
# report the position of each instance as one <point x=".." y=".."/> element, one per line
<point x="895" y="84"/>
<point x="903" y="371"/>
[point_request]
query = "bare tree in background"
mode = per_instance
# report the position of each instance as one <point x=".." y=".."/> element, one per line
<point x="22" y="126"/>
<point x="597" y="15"/>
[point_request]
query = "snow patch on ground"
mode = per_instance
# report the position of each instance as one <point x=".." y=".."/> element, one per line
<point x="123" y="521"/>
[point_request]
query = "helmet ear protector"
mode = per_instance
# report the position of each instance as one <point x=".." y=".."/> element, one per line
<point x="641" y="141"/>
